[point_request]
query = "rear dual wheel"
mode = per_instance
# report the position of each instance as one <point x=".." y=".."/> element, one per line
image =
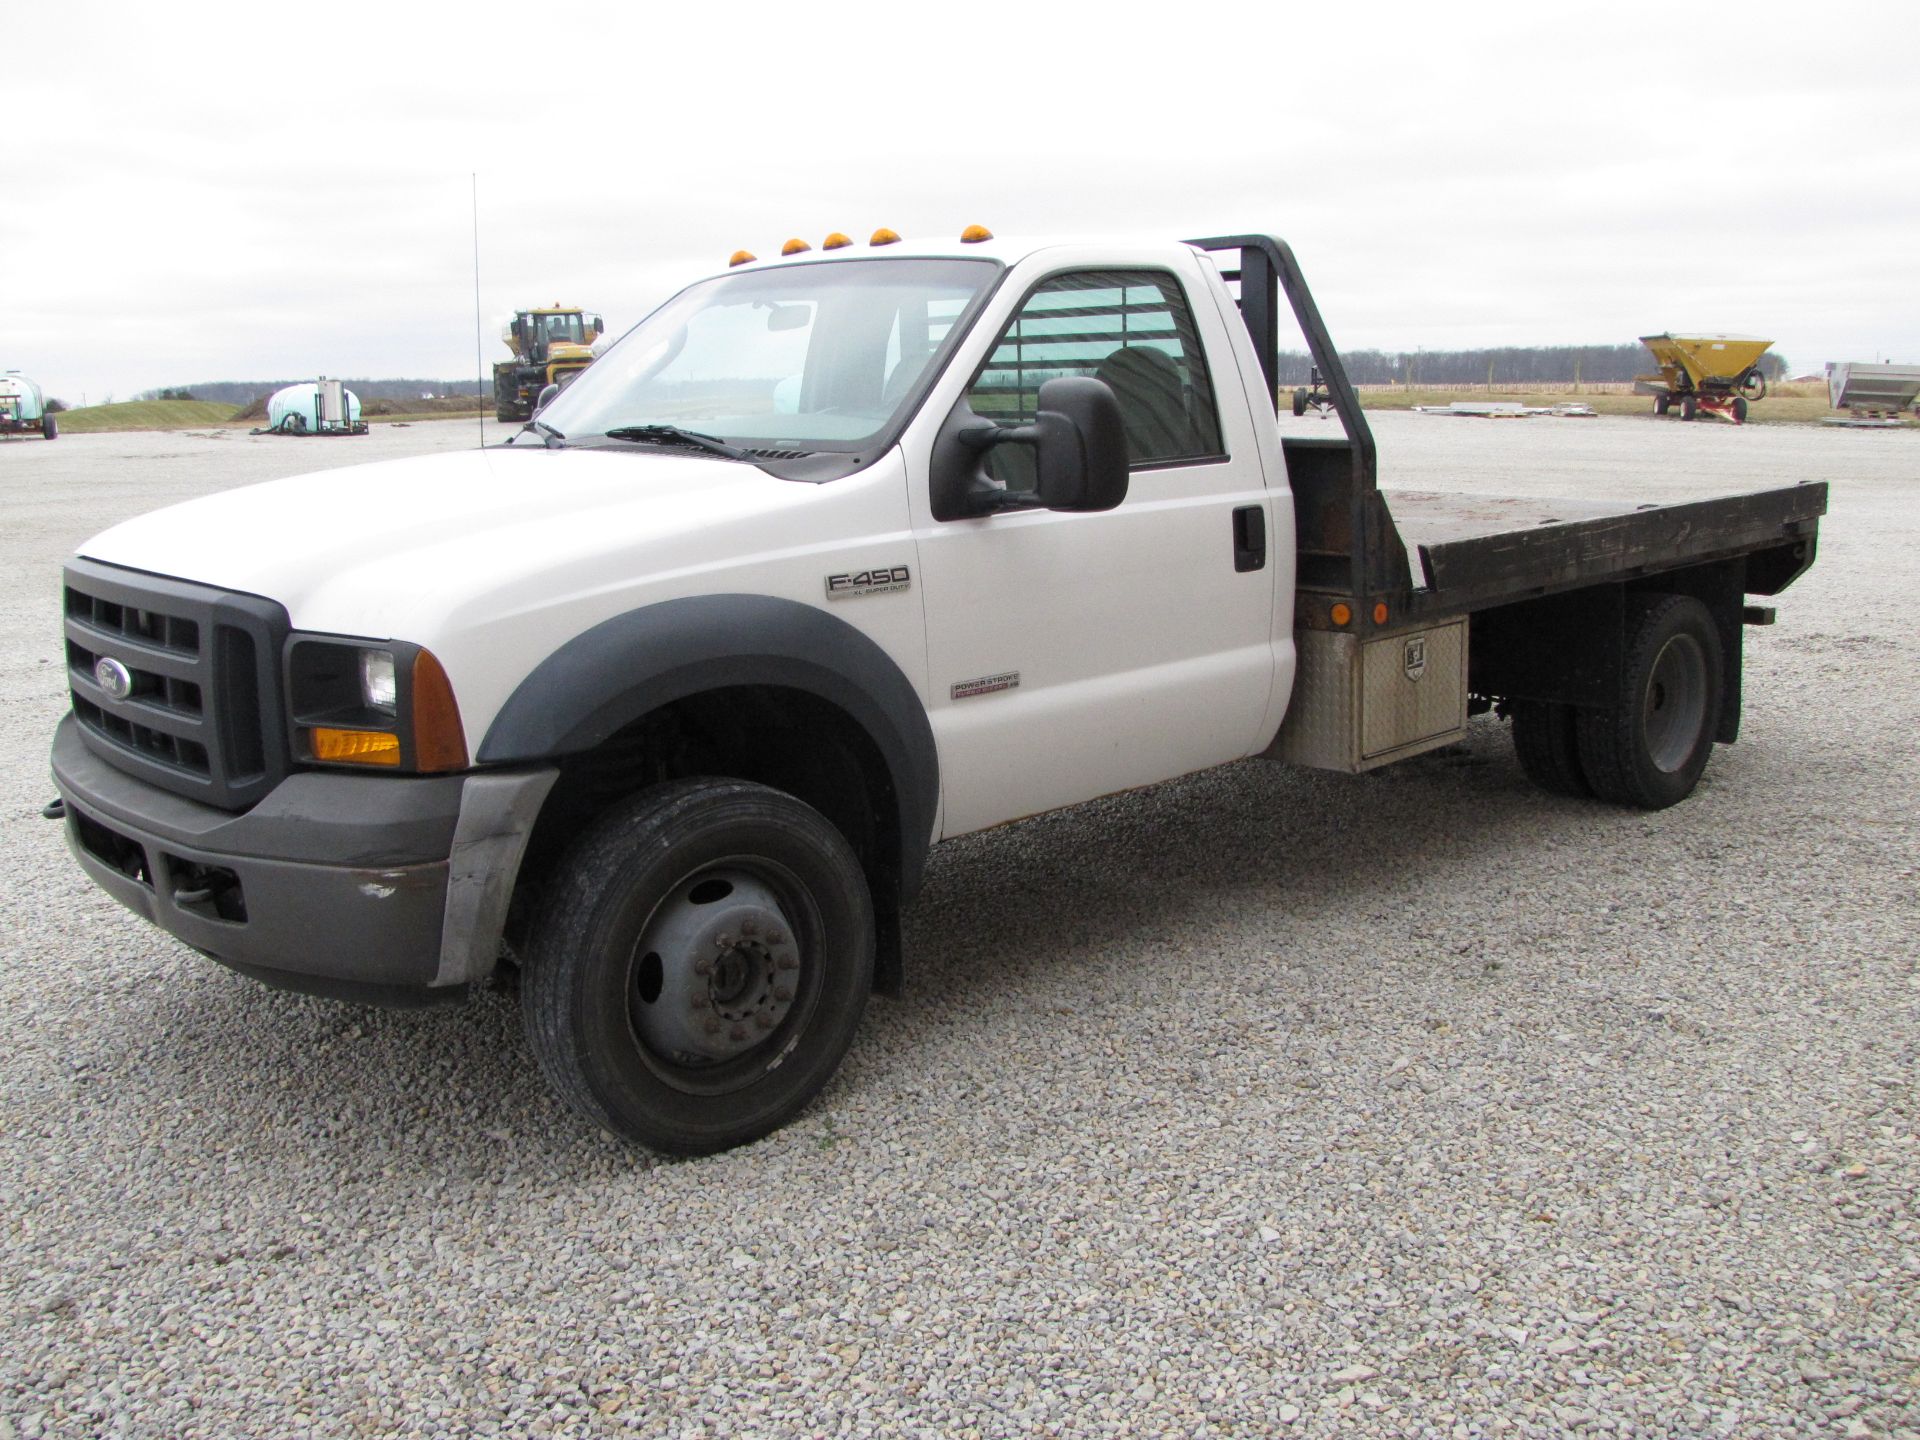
<point x="699" y="966"/>
<point x="1646" y="747"/>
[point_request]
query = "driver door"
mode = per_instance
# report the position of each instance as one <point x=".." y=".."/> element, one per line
<point x="1074" y="655"/>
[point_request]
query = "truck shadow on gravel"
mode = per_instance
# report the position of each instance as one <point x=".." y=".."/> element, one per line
<point x="1197" y="869"/>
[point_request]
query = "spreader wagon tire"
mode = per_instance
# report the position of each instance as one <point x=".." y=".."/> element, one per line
<point x="1545" y="741"/>
<point x="698" y="967"/>
<point x="49" y="427"/>
<point x="1648" y="747"/>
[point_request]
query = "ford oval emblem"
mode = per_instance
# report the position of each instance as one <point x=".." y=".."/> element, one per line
<point x="113" y="677"/>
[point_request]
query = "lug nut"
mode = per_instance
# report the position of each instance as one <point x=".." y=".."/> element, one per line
<point x="723" y="941"/>
<point x="699" y="1002"/>
<point x="739" y="1032"/>
<point x="789" y="962"/>
<point x="774" y="937"/>
<point x="783" y="993"/>
<point x="765" y="1022"/>
<point x="713" y="1027"/>
<point x="703" y="966"/>
<point x="749" y="926"/>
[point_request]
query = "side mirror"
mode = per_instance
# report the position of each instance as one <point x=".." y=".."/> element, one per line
<point x="1081" y="444"/>
<point x="599" y="326"/>
<point x="1080" y="455"/>
<point x="546" y="397"/>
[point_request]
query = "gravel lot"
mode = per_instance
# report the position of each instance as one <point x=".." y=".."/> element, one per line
<point x="1260" y="1102"/>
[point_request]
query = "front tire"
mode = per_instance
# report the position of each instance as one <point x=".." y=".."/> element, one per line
<point x="700" y="964"/>
<point x="1647" y="749"/>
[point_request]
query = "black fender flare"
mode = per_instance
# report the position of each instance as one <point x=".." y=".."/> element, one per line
<point x="611" y="675"/>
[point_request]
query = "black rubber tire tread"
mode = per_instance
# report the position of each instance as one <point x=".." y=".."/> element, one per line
<point x="596" y="906"/>
<point x="49" y="427"/>
<point x="1739" y="410"/>
<point x="1689" y="407"/>
<point x="1661" y="403"/>
<point x="1544" y="738"/>
<point x="1612" y="741"/>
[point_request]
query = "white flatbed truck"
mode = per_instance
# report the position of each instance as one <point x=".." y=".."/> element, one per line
<point x="831" y="558"/>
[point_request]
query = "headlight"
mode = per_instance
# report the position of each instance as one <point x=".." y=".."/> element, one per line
<point x="377" y="685"/>
<point x="388" y="705"/>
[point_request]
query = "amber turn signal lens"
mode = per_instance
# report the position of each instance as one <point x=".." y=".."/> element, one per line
<point x="836" y="241"/>
<point x="439" y="741"/>
<point x="355" y="747"/>
<point x="974" y="234"/>
<point x="741" y="257"/>
<point x="884" y="236"/>
<point x="794" y="246"/>
<point x="1341" y="614"/>
<point x="1380" y="613"/>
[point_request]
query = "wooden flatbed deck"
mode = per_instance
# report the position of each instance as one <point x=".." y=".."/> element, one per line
<point x="1475" y="551"/>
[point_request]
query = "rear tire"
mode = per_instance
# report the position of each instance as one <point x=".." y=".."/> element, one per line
<point x="1739" y="410"/>
<point x="699" y="965"/>
<point x="48" y="428"/>
<point x="1662" y="403"/>
<point x="1299" y="403"/>
<point x="1545" y="740"/>
<point x="1647" y="749"/>
<point x="1689" y="407"/>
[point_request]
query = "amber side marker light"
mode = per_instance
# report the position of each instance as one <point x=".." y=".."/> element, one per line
<point x="974" y="234"/>
<point x="794" y="246"/>
<point x="1380" y="613"/>
<point x="836" y="241"/>
<point x="439" y="741"/>
<point x="884" y="236"/>
<point x="742" y="257"/>
<point x="1341" y="614"/>
<point x="354" y="747"/>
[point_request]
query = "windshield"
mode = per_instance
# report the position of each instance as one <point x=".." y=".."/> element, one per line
<point x="809" y="357"/>
<point x="565" y="329"/>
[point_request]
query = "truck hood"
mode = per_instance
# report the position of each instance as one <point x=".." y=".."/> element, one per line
<point x="394" y="549"/>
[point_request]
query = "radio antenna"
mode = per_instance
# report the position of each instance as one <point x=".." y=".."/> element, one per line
<point x="479" y="342"/>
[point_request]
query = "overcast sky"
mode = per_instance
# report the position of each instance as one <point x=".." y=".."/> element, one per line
<point x="206" y="192"/>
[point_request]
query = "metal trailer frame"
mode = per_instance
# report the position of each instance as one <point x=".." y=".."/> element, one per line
<point x="1873" y="394"/>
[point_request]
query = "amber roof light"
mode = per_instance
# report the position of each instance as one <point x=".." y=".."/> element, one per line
<point x="794" y="246"/>
<point x="974" y="234"/>
<point x="884" y="236"/>
<point x="741" y="257"/>
<point x="836" y="241"/>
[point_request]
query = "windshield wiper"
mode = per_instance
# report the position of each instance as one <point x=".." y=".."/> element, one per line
<point x="674" y="435"/>
<point x="553" y="438"/>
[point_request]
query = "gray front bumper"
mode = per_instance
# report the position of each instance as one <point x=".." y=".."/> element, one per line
<point x="368" y="887"/>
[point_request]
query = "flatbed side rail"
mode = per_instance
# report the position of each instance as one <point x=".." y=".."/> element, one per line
<point x="1378" y="572"/>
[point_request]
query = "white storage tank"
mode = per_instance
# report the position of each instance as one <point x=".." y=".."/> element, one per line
<point x="318" y="407"/>
<point x="23" y="407"/>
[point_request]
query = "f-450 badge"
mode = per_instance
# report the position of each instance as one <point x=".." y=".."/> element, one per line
<point x="878" y="581"/>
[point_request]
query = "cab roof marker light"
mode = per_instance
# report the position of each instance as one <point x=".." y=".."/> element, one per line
<point x="836" y="241"/>
<point x="974" y="234"/>
<point x="794" y="246"/>
<point x="742" y="257"/>
<point x="884" y="236"/>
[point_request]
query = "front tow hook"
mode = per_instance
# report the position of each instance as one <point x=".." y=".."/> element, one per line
<point x="55" y="809"/>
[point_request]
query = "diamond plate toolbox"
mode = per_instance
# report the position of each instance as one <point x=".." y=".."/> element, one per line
<point x="1358" y="704"/>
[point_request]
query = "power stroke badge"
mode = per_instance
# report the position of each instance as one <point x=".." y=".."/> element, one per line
<point x="882" y="580"/>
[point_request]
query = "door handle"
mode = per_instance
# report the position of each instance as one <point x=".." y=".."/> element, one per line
<point x="1250" y="538"/>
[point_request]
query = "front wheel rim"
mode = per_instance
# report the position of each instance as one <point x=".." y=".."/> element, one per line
<point x="724" y="976"/>
<point x="1675" y="706"/>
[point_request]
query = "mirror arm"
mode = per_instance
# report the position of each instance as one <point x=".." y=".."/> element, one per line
<point x="983" y="496"/>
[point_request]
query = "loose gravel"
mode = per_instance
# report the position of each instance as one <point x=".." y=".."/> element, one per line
<point x="1262" y="1102"/>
